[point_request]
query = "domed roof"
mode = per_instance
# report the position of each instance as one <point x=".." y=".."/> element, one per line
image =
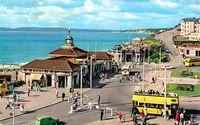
<point x="69" y="37"/>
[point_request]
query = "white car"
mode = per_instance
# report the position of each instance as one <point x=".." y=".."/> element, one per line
<point x="168" y="67"/>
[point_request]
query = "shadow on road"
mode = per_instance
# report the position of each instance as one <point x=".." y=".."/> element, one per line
<point x="193" y="111"/>
<point x="20" y="92"/>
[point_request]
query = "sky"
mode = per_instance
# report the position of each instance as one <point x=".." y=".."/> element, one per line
<point x="97" y="14"/>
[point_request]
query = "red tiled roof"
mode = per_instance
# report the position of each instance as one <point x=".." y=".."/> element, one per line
<point x="69" y="59"/>
<point x="136" y="41"/>
<point x="69" y="51"/>
<point x="59" y="58"/>
<point x="100" y="55"/>
<point x="59" y="65"/>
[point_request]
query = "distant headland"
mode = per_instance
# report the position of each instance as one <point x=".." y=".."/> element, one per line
<point x="147" y="31"/>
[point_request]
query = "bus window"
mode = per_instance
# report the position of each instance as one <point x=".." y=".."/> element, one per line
<point x="173" y="100"/>
<point x="135" y="103"/>
<point x="141" y="104"/>
<point x="160" y="106"/>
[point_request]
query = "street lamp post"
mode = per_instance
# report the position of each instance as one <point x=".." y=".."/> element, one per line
<point x="160" y="57"/>
<point x="165" y="95"/>
<point x="81" y="87"/>
<point x="13" y="109"/>
<point x="90" y="71"/>
<point x="143" y="73"/>
<point x="149" y="54"/>
<point x="179" y="62"/>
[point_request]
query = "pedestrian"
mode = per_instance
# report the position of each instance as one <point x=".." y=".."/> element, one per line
<point x="4" y="94"/>
<point x="145" y="113"/>
<point x="142" y="113"/>
<point x="102" y="113"/>
<point x="135" y="120"/>
<point x="8" y="104"/>
<point x="21" y="107"/>
<point x="57" y="93"/>
<point x="153" y="80"/>
<point x="144" y="120"/>
<point x="182" y="118"/>
<point x="77" y="94"/>
<point x="99" y="99"/>
<point x="18" y="97"/>
<point x="28" y="82"/>
<point x="120" y="117"/>
<point x="63" y="96"/>
<point x="28" y="93"/>
<point x="177" y="118"/>
<point x="32" y="87"/>
<point x="191" y="122"/>
<point x="15" y="97"/>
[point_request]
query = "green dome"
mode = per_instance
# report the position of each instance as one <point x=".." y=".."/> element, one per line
<point x="69" y="37"/>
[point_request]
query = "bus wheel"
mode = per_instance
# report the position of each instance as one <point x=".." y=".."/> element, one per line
<point x="193" y="65"/>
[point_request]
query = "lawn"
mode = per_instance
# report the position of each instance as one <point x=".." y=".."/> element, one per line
<point x="174" y="88"/>
<point x="155" y="46"/>
<point x="178" y="73"/>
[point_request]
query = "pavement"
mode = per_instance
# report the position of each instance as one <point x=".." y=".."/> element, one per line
<point x="36" y="100"/>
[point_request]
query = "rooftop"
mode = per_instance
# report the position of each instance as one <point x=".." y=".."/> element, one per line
<point x="100" y="55"/>
<point x="69" y="52"/>
<point x="191" y="19"/>
<point x="58" y="65"/>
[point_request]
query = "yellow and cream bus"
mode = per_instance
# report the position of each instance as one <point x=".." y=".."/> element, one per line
<point x="155" y="103"/>
<point x="192" y="62"/>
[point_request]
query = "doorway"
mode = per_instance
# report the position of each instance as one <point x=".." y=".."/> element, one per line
<point x="61" y="81"/>
<point x="49" y="80"/>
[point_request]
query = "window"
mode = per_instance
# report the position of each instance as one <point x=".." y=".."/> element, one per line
<point x="197" y="53"/>
<point x="173" y="100"/>
<point x="141" y="104"/>
<point x="187" y="52"/>
<point x="135" y="103"/>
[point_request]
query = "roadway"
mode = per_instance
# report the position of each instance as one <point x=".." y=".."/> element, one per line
<point x="114" y="94"/>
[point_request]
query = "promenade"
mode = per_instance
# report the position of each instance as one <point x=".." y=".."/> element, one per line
<point x="36" y="100"/>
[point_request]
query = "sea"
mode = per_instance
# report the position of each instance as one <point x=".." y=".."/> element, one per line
<point x="19" y="47"/>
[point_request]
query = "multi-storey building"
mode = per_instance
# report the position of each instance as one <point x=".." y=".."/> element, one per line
<point x="190" y="27"/>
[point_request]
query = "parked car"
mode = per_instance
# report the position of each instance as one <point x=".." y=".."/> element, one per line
<point x="46" y="120"/>
<point x="168" y="67"/>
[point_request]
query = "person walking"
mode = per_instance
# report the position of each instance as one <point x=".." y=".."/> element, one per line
<point x="99" y="99"/>
<point x="177" y="118"/>
<point x="135" y="120"/>
<point x="182" y="118"/>
<point x="21" y="107"/>
<point x="63" y="96"/>
<point x="32" y="87"/>
<point x="15" y="97"/>
<point x="191" y="122"/>
<point x="57" y="93"/>
<point x="142" y="113"/>
<point x="102" y="113"/>
<point x="28" y="93"/>
<point x="145" y="113"/>
<point x="153" y="79"/>
<point x="120" y="117"/>
<point x="8" y="105"/>
<point x="144" y="120"/>
<point x="4" y="94"/>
